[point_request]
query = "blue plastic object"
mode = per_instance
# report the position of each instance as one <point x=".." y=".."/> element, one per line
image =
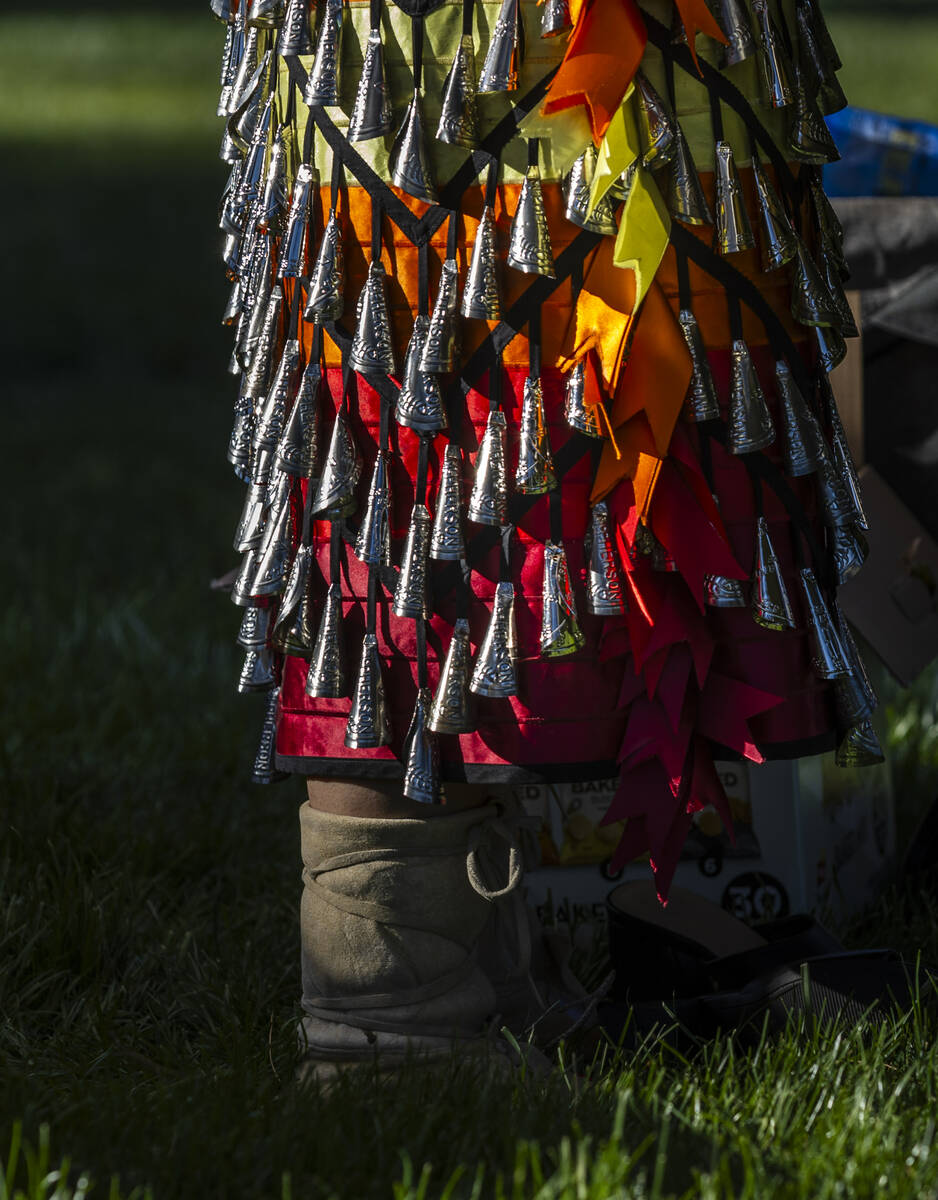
<point x="882" y="156"/>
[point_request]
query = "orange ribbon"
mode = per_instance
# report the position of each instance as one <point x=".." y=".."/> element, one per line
<point x="698" y="18"/>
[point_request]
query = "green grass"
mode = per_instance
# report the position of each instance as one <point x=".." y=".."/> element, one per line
<point x="148" y="965"/>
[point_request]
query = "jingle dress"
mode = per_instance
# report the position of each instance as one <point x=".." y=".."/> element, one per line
<point x="534" y="308"/>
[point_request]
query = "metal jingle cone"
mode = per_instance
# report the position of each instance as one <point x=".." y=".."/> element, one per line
<point x="459" y="114"/>
<point x="808" y="135"/>
<point x="845" y="468"/>
<point x="258" y="673"/>
<point x="453" y="709"/>
<point x="341" y="472"/>
<point x="529" y="247"/>
<point x="420" y="401"/>
<point x="326" y="678"/>
<point x="373" y="543"/>
<point x="655" y="124"/>
<point x="733" y="232"/>
<point x="243" y="128"/>
<point x="371" y="115"/>
<point x="830" y="229"/>
<point x="776" y="74"/>
<point x="488" y="501"/>
<point x="703" y="403"/>
<point x="241" y="588"/>
<point x="293" y="631"/>
<point x="447" y="540"/>
<point x="831" y="97"/>
<point x="421" y="755"/>
<point x="749" y="420"/>
<point x="265" y="761"/>
<point x="242" y="431"/>
<point x="850" y="702"/>
<point x="259" y="347"/>
<point x="831" y="347"/>
<point x="578" y="414"/>
<point x="801" y="434"/>
<point x="604" y="597"/>
<point x="834" y="500"/>
<point x="273" y="203"/>
<point x="245" y="79"/>
<point x="295" y="36"/>
<point x="410" y="594"/>
<point x="811" y="303"/>
<point x="409" y="163"/>
<point x="293" y="260"/>
<point x="255" y="626"/>
<point x="274" y="560"/>
<point x="846" y="322"/>
<point x="771" y="607"/>
<point x="266" y="14"/>
<point x="230" y="54"/>
<point x="368" y="726"/>
<point x="323" y="85"/>
<point x="828" y="660"/>
<point x="439" y="349"/>
<point x="722" y="592"/>
<point x="230" y="256"/>
<point x="560" y="630"/>
<point x="262" y="475"/>
<point x="250" y="530"/>
<point x="734" y="21"/>
<point x="503" y="57"/>
<point x="372" y="350"/>
<point x="555" y="18"/>
<point x="778" y="242"/>
<point x="480" y="298"/>
<point x="534" y="474"/>
<point x="860" y="747"/>
<point x="684" y="194"/>
<point x="325" y="299"/>
<point x="850" y="551"/>
<point x="273" y="414"/>
<point x="577" y="198"/>
<point x="299" y="445"/>
<point x="855" y="659"/>
<point x="494" y="675"/>
<point x="822" y="34"/>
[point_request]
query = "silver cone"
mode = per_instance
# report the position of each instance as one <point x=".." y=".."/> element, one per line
<point x="770" y="604"/>
<point x="494" y="672"/>
<point x="265" y="761"/>
<point x="372" y="350"/>
<point x="860" y="747"/>
<point x="274" y="199"/>
<point x="294" y="33"/>
<point x="733" y="231"/>
<point x="282" y="390"/>
<point x="749" y="421"/>
<point x="373" y="543"/>
<point x="258" y="673"/>
<point x="828" y="661"/>
<point x="734" y="21"/>
<point x="560" y="630"/>
<point x="242" y="432"/>
<point x="578" y="414"/>
<point x="703" y="403"/>
<point x="778" y="242"/>
<point x="810" y="300"/>
<point x="341" y="472"/>
<point x="248" y="73"/>
<point x="604" y="596"/>
<point x="439" y="350"/>
<point x="772" y="58"/>
<point x="299" y="446"/>
<point x="323" y="85"/>
<point x="850" y="550"/>
<point x="722" y="592"/>
<point x="831" y="347"/>
<point x="421" y="755"/>
<point x="261" y="471"/>
<point x="447" y="540"/>
<point x="453" y="708"/>
<point x="409" y="164"/>
<point x="326" y="678"/>
<point x="808" y="135"/>
<point x="503" y="57"/>
<point x="274" y="560"/>
<point x="293" y="261"/>
<point x="368" y="725"/>
<point x="529" y="247"/>
<point x="459" y="115"/>
<point x="266" y="14"/>
<point x="534" y="475"/>
<point x="255" y="626"/>
<point x="420" y="401"/>
<point x="577" y="197"/>
<point x="294" y="631"/>
<point x="801" y="434"/>
<point x="555" y="18"/>
<point x="843" y="459"/>
<point x="241" y="588"/>
<point x="834" y="499"/>
<point x="230" y="54"/>
<point x="684" y="193"/>
<point x="655" y="126"/>
<point x="488" y="502"/>
<point x="846" y="322"/>
<point x="854" y="658"/>
<point x="371" y="116"/>
<point x="326" y="297"/>
<point x="242" y="129"/>
<point x="480" y="298"/>
<point x="410" y="595"/>
<point x="259" y="347"/>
